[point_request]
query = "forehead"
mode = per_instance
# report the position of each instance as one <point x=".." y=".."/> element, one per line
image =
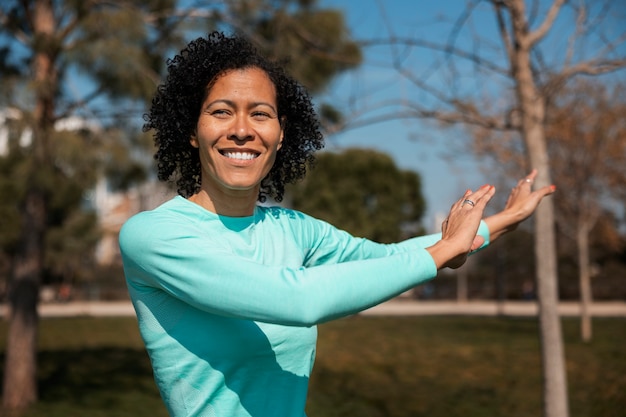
<point x="242" y="80"/>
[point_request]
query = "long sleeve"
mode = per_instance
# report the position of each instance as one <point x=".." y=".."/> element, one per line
<point x="333" y="245"/>
<point x="171" y="254"/>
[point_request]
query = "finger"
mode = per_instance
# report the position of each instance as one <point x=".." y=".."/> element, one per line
<point x="528" y="179"/>
<point x="547" y="190"/>
<point x="482" y="195"/>
<point x="524" y="181"/>
<point x="477" y="242"/>
<point x="479" y="199"/>
<point x="471" y="199"/>
<point x="539" y="194"/>
<point x="468" y="203"/>
<point x="461" y="201"/>
<point x="532" y="174"/>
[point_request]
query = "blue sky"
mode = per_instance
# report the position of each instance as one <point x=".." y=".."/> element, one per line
<point x="425" y="147"/>
<point x="416" y="145"/>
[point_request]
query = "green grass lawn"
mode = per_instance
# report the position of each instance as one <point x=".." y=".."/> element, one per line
<point x="366" y="367"/>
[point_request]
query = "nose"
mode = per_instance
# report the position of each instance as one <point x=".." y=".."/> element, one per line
<point x="240" y="129"/>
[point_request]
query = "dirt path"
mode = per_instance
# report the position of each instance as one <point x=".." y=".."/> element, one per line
<point x="393" y="307"/>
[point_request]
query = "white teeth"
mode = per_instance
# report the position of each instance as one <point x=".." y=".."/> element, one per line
<point x="240" y="155"/>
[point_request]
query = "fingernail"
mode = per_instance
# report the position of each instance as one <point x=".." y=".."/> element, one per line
<point x="553" y="187"/>
<point x="485" y="186"/>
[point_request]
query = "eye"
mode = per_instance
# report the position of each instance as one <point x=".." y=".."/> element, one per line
<point x="220" y="113"/>
<point x="261" y="115"/>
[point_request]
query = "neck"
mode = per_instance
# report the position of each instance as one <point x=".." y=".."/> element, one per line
<point x="233" y="205"/>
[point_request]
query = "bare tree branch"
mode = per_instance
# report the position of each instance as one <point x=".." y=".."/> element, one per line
<point x="464" y="114"/>
<point x="456" y="29"/>
<point x="181" y="14"/>
<point x="420" y="43"/>
<point x="504" y="33"/>
<point x="536" y="35"/>
<point x="80" y="103"/>
<point x="581" y="18"/>
<point x="593" y="67"/>
<point x="19" y="35"/>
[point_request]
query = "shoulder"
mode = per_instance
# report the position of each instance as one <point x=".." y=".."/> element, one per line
<point x="171" y="217"/>
<point x="161" y="213"/>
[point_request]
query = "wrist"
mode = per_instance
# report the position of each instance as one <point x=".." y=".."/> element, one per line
<point x="501" y="223"/>
<point x="443" y="252"/>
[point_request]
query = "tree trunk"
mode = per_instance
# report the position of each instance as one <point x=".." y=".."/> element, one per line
<point x="532" y="107"/>
<point x="20" y="371"/>
<point x="552" y="352"/>
<point x="555" y="382"/>
<point x="553" y="358"/>
<point x="584" y="273"/>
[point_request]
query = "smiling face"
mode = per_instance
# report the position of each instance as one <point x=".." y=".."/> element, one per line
<point x="238" y="134"/>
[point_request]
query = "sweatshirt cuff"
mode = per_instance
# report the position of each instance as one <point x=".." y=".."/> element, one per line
<point x="483" y="231"/>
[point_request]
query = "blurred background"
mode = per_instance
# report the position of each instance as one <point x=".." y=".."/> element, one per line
<point x="419" y="101"/>
<point x="414" y="99"/>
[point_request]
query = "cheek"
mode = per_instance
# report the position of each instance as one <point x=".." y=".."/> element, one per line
<point x="208" y="130"/>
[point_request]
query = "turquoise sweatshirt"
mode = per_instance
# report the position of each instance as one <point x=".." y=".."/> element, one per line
<point x="227" y="306"/>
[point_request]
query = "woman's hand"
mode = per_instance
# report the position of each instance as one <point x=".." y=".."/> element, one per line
<point x="520" y="205"/>
<point x="458" y="231"/>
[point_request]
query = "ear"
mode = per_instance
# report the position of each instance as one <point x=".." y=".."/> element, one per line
<point x="280" y="141"/>
<point x="283" y="121"/>
<point x="193" y="140"/>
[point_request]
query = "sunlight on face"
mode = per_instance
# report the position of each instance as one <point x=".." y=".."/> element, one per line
<point x="238" y="133"/>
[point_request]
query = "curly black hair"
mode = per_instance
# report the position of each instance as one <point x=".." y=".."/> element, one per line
<point x="176" y="108"/>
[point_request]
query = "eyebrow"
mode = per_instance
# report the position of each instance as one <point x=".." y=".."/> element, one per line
<point x="232" y="104"/>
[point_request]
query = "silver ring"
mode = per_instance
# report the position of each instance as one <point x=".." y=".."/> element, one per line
<point x="528" y="180"/>
<point x="470" y="202"/>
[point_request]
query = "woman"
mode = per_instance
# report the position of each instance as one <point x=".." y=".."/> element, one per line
<point x="227" y="292"/>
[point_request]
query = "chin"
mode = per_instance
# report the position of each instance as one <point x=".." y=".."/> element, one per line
<point x="241" y="187"/>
